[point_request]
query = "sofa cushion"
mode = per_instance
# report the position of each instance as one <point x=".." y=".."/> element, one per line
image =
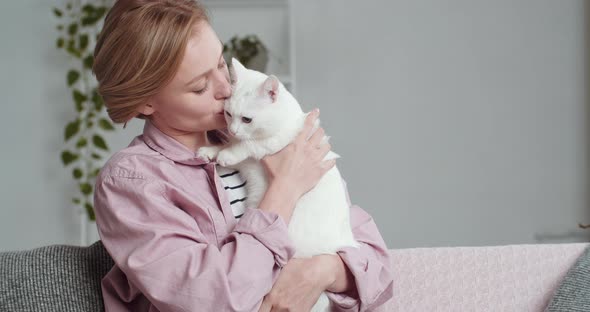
<point x="483" y="278"/>
<point x="53" y="278"/>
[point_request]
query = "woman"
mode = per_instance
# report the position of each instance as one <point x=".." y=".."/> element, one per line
<point x="163" y="213"/>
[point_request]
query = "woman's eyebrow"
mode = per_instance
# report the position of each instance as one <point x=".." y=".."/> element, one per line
<point x="199" y="76"/>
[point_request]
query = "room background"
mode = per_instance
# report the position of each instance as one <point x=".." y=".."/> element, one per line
<point x="459" y="122"/>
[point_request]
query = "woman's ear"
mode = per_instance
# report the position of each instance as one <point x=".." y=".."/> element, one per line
<point x="147" y="108"/>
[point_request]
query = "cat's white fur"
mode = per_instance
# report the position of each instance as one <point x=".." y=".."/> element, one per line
<point x="320" y="223"/>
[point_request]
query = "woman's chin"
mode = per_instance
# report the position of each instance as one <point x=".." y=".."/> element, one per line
<point x="220" y="121"/>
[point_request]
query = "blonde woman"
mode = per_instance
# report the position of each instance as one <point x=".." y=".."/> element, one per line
<point x="165" y="215"/>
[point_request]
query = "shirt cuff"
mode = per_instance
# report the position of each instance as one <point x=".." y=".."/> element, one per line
<point x="270" y="230"/>
<point x="341" y="301"/>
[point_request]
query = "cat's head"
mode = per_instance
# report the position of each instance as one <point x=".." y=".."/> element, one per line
<point x="258" y="106"/>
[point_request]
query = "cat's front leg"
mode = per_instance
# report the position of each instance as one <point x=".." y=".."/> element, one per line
<point x="232" y="155"/>
<point x="208" y="152"/>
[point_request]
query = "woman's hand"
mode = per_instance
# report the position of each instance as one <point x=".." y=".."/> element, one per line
<point x="296" y="169"/>
<point x="300" y="284"/>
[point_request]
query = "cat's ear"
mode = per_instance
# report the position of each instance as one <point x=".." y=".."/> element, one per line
<point x="270" y="88"/>
<point x="235" y="70"/>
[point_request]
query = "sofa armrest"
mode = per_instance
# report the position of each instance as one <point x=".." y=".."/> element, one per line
<point x="53" y="278"/>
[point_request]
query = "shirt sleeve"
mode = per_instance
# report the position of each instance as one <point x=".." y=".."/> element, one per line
<point x="370" y="265"/>
<point x="163" y="252"/>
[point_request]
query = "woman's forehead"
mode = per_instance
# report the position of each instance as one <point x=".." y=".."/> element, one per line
<point x="201" y="54"/>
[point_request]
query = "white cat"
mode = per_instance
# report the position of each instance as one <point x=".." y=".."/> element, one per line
<point x="262" y="118"/>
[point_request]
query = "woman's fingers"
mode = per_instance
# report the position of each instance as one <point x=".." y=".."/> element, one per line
<point x="328" y="164"/>
<point x="321" y="151"/>
<point x="310" y="120"/>
<point x="266" y="306"/>
<point x="316" y="138"/>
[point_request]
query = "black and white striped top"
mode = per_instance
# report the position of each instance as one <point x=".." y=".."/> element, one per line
<point x="235" y="187"/>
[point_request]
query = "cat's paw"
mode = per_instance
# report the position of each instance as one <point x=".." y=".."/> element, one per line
<point x="226" y="158"/>
<point x="208" y="152"/>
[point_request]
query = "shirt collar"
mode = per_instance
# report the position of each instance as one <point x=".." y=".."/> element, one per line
<point x="169" y="147"/>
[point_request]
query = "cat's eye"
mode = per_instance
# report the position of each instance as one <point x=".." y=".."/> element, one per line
<point x="228" y="114"/>
<point x="246" y="120"/>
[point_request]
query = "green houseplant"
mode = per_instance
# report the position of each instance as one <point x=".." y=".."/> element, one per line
<point x="78" y="28"/>
<point x="249" y="50"/>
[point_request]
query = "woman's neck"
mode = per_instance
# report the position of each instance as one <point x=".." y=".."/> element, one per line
<point x="192" y="140"/>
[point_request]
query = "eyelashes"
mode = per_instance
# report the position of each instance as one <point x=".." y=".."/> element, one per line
<point x="203" y="90"/>
<point x="220" y="66"/>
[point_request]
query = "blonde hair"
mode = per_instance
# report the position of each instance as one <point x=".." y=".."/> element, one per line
<point x="139" y="50"/>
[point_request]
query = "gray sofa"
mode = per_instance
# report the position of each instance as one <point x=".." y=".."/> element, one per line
<point x="554" y="278"/>
<point x="53" y="278"/>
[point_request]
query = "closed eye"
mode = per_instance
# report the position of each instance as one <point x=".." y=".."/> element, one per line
<point x="228" y="114"/>
<point x="246" y="120"/>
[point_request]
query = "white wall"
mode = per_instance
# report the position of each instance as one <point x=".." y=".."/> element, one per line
<point x="460" y="122"/>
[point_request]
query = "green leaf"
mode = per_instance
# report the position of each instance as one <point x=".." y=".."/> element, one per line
<point x="90" y="115"/>
<point x="88" y="61"/>
<point x="89" y="124"/>
<point x="57" y="12"/>
<point x="60" y="27"/>
<point x="99" y="142"/>
<point x="72" y="129"/>
<point x="93" y="173"/>
<point x="83" y="40"/>
<point x="77" y="173"/>
<point x="92" y="14"/>
<point x="90" y="211"/>
<point x="97" y="99"/>
<point x="101" y="11"/>
<point x="76" y="200"/>
<point x="82" y="142"/>
<point x="105" y="125"/>
<point x="96" y="156"/>
<point x="88" y="9"/>
<point x="72" y="29"/>
<point x="71" y="48"/>
<point x="68" y="157"/>
<point x="69" y="6"/>
<point x="79" y="98"/>
<point x="60" y="43"/>
<point x="73" y="76"/>
<point x="85" y="188"/>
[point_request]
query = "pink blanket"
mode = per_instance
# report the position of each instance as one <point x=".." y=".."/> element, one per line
<point x="492" y="278"/>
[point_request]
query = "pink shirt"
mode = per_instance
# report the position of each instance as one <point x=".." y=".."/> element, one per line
<point x="165" y="219"/>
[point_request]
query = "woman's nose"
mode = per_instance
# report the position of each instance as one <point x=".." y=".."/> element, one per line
<point x="224" y="87"/>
